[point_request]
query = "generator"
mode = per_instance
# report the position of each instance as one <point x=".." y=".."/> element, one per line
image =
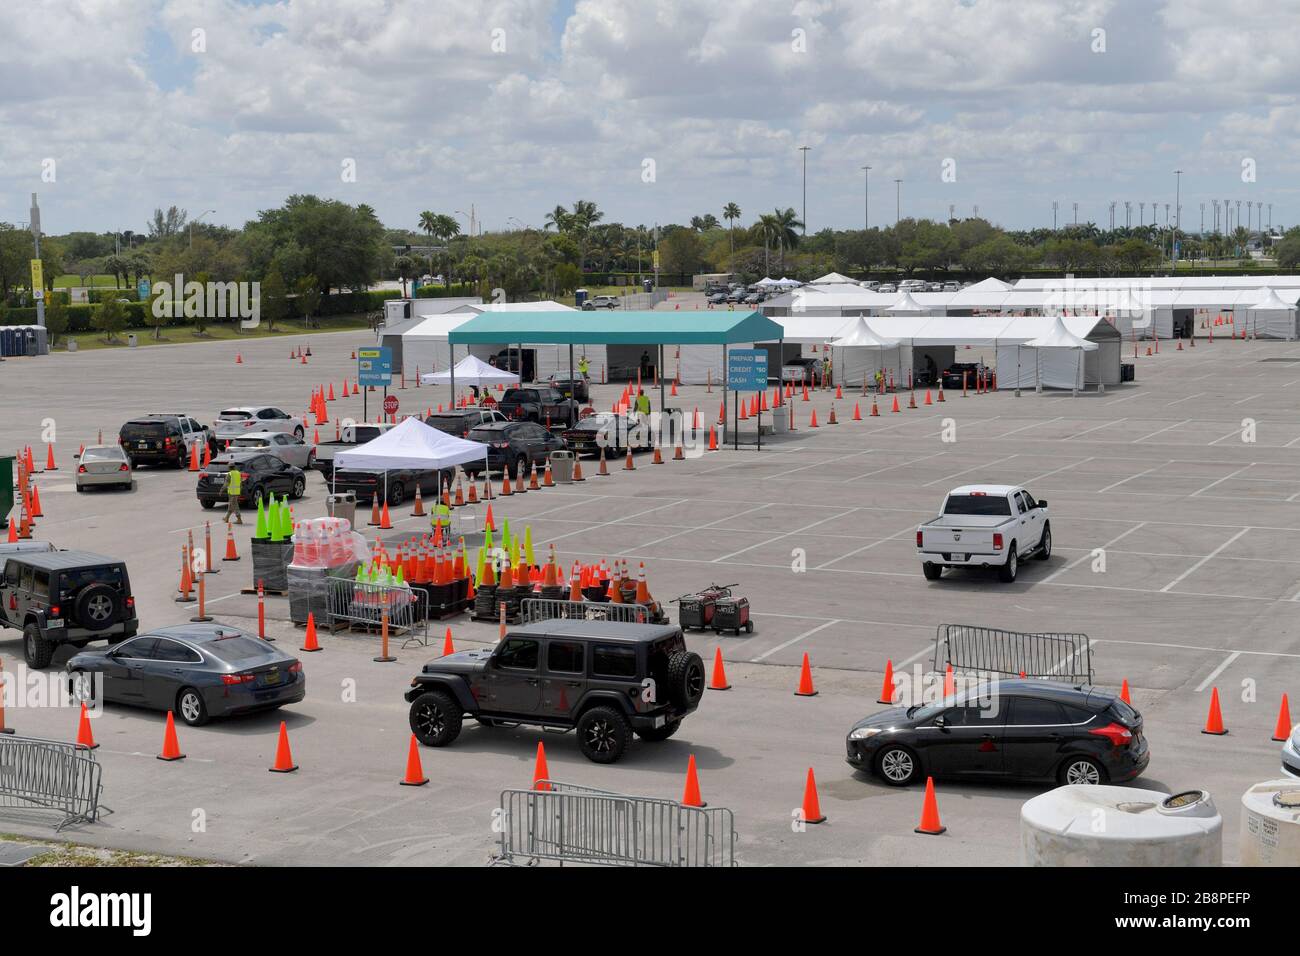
<point x="732" y="614"/>
<point x="696" y="611"/>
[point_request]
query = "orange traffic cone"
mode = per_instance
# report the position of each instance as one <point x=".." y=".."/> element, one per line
<point x="1214" y="720"/>
<point x="310" y="643"/>
<point x="171" y="746"/>
<point x="949" y="682"/>
<point x="927" y="397"/>
<point x="414" y="772"/>
<point x="805" y="680"/>
<point x="812" y="422"/>
<point x="541" y="775"/>
<point x="930" y="812"/>
<point x="812" y="808"/>
<point x="194" y="457"/>
<point x="887" y="688"/>
<point x="713" y="438"/>
<point x="417" y="511"/>
<point x="691" y="795"/>
<point x="49" y="458"/>
<point x="447" y="646"/>
<point x="857" y="412"/>
<point x="231" y="553"/>
<point x="84" y="737"/>
<point x="895" y="408"/>
<point x="875" y="409"/>
<point x="385" y="522"/>
<point x="1123" y="692"/>
<point x="374" y="511"/>
<point x="36" y="503"/>
<point x="283" y="756"/>
<point x="719" y="678"/>
<point x="1283" y="729"/>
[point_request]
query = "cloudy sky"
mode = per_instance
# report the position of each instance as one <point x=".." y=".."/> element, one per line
<point x="655" y="110"/>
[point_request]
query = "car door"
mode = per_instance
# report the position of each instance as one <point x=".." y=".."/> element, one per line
<point x="277" y="474"/>
<point x="293" y="449"/>
<point x="124" y="670"/>
<point x="512" y="678"/>
<point x="9" y="594"/>
<point x="168" y="669"/>
<point x="1034" y="514"/>
<point x="562" y="681"/>
<point x="964" y="739"/>
<point x="1036" y="731"/>
<point x="1021" y="530"/>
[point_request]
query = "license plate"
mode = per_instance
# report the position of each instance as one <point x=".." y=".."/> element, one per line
<point x="273" y="677"/>
<point x="142" y="444"/>
<point x="958" y="557"/>
<point x="54" y="623"/>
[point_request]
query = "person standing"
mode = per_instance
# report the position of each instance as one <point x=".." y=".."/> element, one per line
<point x="234" y="488"/>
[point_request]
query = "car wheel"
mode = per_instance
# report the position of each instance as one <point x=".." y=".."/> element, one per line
<point x="299" y="486"/>
<point x="1081" y="771"/>
<point x="396" y="493"/>
<point x="435" y="718"/>
<point x="1008" y="571"/>
<point x="603" y="734"/>
<point x="931" y="570"/>
<point x="98" y="607"/>
<point x="898" y="766"/>
<point x="686" y="678"/>
<point x="190" y="707"/>
<point x="1045" y="546"/>
<point x="37" y="650"/>
<point x="656" y="734"/>
<point x="203" y="501"/>
<point x="80" y="489"/>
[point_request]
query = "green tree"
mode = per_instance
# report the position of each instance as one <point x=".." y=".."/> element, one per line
<point x="731" y="212"/>
<point x="156" y="315"/>
<point x="308" y="297"/>
<point x="1287" y="250"/>
<point x="164" y="225"/>
<point x="110" y="318"/>
<point x="679" y="251"/>
<point x="56" y="319"/>
<point x="274" y="304"/>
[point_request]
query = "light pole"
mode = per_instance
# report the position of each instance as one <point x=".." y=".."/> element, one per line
<point x="866" y="198"/>
<point x="1128" y="214"/>
<point x="1053" y="215"/>
<point x="1178" y="209"/>
<point x="804" y="150"/>
<point x="898" y="200"/>
<point x="1112" y="215"/>
<point x="194" y="220"/>
<point x="1076" y="214"/>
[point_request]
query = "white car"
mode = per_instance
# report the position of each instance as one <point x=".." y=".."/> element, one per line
<point x="104" y="465"/>
<point x="985" y="526"/>
<point x="886" y="287"/>
<point x="1291" y="754"/>
<point x="288" y="448"/>
<point x="242" y="420"/>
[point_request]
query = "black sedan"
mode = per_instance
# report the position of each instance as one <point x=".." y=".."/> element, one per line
<point x="197" y="670"/>
<point x="1013" y="729"/>
<point x="963" y="374"/>
<point x="262" y="475"/>
<point x="513" y="446"/>
<point x="578" y="388"/>
<point x="614" y="433"/>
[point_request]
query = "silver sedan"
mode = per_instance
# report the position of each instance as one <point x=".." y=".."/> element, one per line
<point x="104" y="465"/>
<point x="288" y="448"/>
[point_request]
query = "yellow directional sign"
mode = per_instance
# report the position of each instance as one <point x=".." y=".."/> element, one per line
<point x="38" y="275"/>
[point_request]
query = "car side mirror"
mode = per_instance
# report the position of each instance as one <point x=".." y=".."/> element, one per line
<point x="940" y="722"/>
<point x="1042" y="502"/>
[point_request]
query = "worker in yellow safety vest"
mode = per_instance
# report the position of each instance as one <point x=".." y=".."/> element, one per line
<point x="440" y="517"/>
<point x="234" y="487"/>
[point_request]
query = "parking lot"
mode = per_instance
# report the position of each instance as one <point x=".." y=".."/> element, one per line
<point x="1172" y="553"/>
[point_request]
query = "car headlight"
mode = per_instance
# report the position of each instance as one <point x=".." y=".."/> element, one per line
<point x="862" y="733"/>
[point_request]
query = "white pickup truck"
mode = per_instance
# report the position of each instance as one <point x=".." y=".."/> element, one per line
<point x="985" y="526"/>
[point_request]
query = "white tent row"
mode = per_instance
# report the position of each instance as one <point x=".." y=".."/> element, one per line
<point x="1162" y="282"/>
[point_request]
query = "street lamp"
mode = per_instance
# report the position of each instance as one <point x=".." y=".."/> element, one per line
<point x="194" y="220"/>
<point x="866" y="198"/>
<point x="1178" y="208"/>
<point x="1053" y="215"/>
<point x="898" y="200"/>
<point x="804" y="150"/>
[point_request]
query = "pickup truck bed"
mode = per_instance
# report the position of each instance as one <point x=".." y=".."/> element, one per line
<point x="985" y="526"/>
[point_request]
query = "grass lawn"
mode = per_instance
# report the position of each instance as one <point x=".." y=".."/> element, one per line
<point x="182" y="334"/>
<point x="96" y="281"/>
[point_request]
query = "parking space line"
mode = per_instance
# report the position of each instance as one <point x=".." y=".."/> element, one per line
<point x="967" y="471"/>
<point x="915" y="657"/>
<point x="1170" y="585"/>
<point x="1029" y="426"/>
<point x="1158" y="431"/>
<point x="794" y="640"/>
<point x="1126" y="398"/>
<point x="892" y="467"/>
<point x="787" y="534"/>
<point x="1227" y="661"/>
<point x="1179" y="401"/>
<point x="1131" y="477"/>
<point x="1196" y="647"/>
<point x="1235" y="431"/>
<point x="1056" y="574"/>
<point x="865" y="547"/>
<point x="1030" y="481"/>
<point x="604" y="524"/>
<point x="691" y="528"/>
<point x="1093" y="429"/>
<point x="1220" y="480"/>
<point x="815" y="464"/>
<point x="1242" y="401"/>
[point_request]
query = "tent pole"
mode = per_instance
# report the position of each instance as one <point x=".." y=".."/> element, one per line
<point x="451" y="354"/>
<point x="661" y="381"/>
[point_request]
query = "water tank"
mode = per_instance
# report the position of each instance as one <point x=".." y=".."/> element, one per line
<point x="1120" y="826"/>
<point x="1270" y="824"/>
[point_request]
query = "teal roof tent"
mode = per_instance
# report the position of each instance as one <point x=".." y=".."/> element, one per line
<point x="617" y="328"/>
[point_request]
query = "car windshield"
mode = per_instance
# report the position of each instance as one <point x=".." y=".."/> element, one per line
<point x="234" y="414"/>
<point x="78" y="578"/>
<point x="145" y="429"/>
<point x="102" y="454"/>
<point x="486" y="435"/>
<point x="238" y="648"/>
<point x="980" y="505"/>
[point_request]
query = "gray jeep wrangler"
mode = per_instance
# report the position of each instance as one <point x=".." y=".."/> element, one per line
<point x="65" y="597"/>
<point x="606" y="680"/>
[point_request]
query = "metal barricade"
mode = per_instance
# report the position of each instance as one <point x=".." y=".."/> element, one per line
<point x="360" y="604"/>
<point x="571" y="824"/>
<point x="548" y="609"/>
<point x="1051" y="656"/>
<point x="50" y="775"/>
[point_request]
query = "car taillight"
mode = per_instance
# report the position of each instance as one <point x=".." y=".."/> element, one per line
<point x="124" y="467"/>
<point x="54" y="611"/>
<point x="918" y="539"/>
<point x="169" y="442"/>
<point x="248" y="423"/>
<point x="243" y="475"/>
<point x="1117" y="734"/>
<point x="997" y="541"/>
<point x="295" y="667"/>
<point x="130" y="603"/>
<point x="81" y="469"/>
<point x="231" y="679"/>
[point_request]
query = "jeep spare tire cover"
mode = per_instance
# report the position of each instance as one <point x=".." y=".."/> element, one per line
<point x="98" y="607"/>
<point x="685" y="679"/>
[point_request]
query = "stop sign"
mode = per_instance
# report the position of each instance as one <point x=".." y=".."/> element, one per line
<point x="390" y="405"/>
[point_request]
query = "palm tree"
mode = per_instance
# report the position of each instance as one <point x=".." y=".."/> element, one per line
<point x="584" y="216"/>
<point x="731" y="212"/>
<point x="429" y="226"/>
<point x="787" y="222"/>
<point x="769" y="228"/>
<point x="560" y="218"/>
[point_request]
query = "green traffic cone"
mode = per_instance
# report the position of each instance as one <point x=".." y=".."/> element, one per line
<point x="260" y="531"/>
<point x="286" y="518"/>
<point x="528" y="545"/>
<point x="273" y="519"/>
<point x="398" y="578"/>
<point x="505" y="534"/>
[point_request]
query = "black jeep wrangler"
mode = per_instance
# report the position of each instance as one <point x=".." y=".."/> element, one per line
<point x="606" y="680"/>
<point x="65" y="597"/>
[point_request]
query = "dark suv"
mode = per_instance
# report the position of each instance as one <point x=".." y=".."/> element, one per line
<point x="65" y="597"/>
<point x="604" y="679"/>
<point x="1014" y="729"/>
<point x="513" y="447"/>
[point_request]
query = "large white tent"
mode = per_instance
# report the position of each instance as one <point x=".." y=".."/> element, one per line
<point x="1271" y="317"/>
<point x="859" y="351"/>
<point x="410" y="444"/>
<point x="1058" y="360"/>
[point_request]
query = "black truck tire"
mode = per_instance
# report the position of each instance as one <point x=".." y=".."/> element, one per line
<point x="37" y="650"/>
<point x="97" y="607"/>
<point x="435" y="718"/>
<point x="685" y="679"/>
<point x="603" y="734"/>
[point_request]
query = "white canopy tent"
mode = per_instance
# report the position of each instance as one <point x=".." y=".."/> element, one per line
<point x="906" y="303"/>
<point x="833" y="278"/>
<point x="471" y="370"/>
<point x="859" y="351"/>
<point x="410" y="444"/>
<point x="767" y="282"/>
<point x="1058" y="359"/>
<point x="1271" y="317"/>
